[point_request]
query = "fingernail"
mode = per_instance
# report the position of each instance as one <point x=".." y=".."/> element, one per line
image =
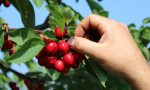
<point x="71" y="41"/>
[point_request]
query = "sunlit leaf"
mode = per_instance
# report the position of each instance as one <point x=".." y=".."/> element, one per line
<point x="55" y="75"/>
<point x="26" y="10"/>
<point x="27" y="51"/>
<point x="1" y="37"/>
<point x="38" y="3"/>
<point x="146" y="20"/>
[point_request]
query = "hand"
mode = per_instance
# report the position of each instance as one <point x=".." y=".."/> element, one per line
<point x="113" y="47"/>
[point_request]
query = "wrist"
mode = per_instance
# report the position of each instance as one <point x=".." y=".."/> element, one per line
<point x="139" y="77"/>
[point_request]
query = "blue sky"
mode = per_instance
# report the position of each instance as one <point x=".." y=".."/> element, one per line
<point x="125" y="11"/>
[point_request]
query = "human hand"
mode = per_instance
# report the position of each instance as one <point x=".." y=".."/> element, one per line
<point x="113" y="47"/>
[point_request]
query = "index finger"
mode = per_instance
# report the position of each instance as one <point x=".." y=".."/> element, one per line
<point x="92" y="22"/>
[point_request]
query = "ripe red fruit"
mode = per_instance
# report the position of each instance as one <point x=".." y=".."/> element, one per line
<point x="7" y="45"/>
<point x="41" y="62"/>
<point x="58" y="33"/>
<point x="76" y="65"/>
<point x="63" y="47"/>
<point x="69" y="60"/>
<point x="47" y="41"/>
<point x="12" y="52"/>
<point x="66" y="70"/>
<point x="28" y="83"/>
<point x="41" y="54"/>
<point x="78" y="57"/>
<point x="50" y="61"/>
<point x="12" y="84"/>
<point x="6" y="3"/>
<point x="59" y="65"/>
<point x="51" y="48"/>
<point x="15" y="88"/>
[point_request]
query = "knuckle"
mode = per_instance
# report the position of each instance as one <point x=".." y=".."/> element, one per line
<point x="123" y="25"/>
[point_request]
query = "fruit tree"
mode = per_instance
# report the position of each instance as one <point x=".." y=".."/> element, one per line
<point x="43" y="49"/>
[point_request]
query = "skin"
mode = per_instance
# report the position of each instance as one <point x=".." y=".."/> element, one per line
<point x="112" y="46"/>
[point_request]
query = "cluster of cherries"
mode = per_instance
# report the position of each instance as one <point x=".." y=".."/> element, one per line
<point x="6" y="3"/>
<point x="58" y="55"/>
<point x="13" y="86"/>
<point x="8" y="44"/>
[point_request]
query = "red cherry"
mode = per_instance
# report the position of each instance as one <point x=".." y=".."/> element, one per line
<point x="41" y="54"/>
<point x="63" y="47"/>
<point x="76" y="65"/>
<point x="6" y="3"/>
<point x="12" y="84"/>
<point x="66" y="70"/>
<point x="41" y="62"/>
<point x="51" y="48"/>
<point x="15" y="88"/>
<point x="47" y="41"/>
<point x="50" y="61"/>
<point x="59" y="34"/>
<point x="78" y="57"/>
<point x="7" y="45"/>
<point x="10" y="44"/>
<point x="59" y="65"/>
<point x="69" y="60"/>
<point x="27" y="82"/>
<point x="12" y="51"/>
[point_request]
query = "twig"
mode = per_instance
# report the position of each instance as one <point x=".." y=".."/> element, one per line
<point x="43" y="26"/>
<point x="19" y="74"/>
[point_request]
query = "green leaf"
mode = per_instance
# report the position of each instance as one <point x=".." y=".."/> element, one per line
<point x="136" y="36"/>
<point x="94" y="5"/>
<point x="1" y="37"/>
<point x="71" y="32"/>
<point x="145" y="33"/>
<point x="56" y="16"/>
<point x="116" y="83"/>
<point x="1" y="21"/>
<point x="55" y="75"/>
<point x="50" y="35"/>
<point x="68" y="13"/>
<point x="146" y="53"/>
<point x="132" y="26"/>
<point x="101" y="12"/>
<point x="100" y="74"/>
<point x="27" y="51"/>
<point x="146" y="20"/>
<point x="26" y="10"/>
<point x="15" y="35"/>
<point x="38" y="3"/>
<point x="4" y="78"/>
<point x="89" y="68"/>
<point x="79" y="15"/>
<point x="22" y="35"/>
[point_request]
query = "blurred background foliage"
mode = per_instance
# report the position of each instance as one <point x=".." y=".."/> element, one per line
<point x="89" y="76"/>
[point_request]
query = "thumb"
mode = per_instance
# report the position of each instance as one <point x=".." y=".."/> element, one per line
<point x="84" y="46"/>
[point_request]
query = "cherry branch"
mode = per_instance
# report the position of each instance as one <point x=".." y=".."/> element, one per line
<point x="19" y="74"/>
<point x="43" y="26"/>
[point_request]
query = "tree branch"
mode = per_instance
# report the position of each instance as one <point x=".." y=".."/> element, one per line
<point x="19" y="74"/>
<point x="43" y="26"/>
